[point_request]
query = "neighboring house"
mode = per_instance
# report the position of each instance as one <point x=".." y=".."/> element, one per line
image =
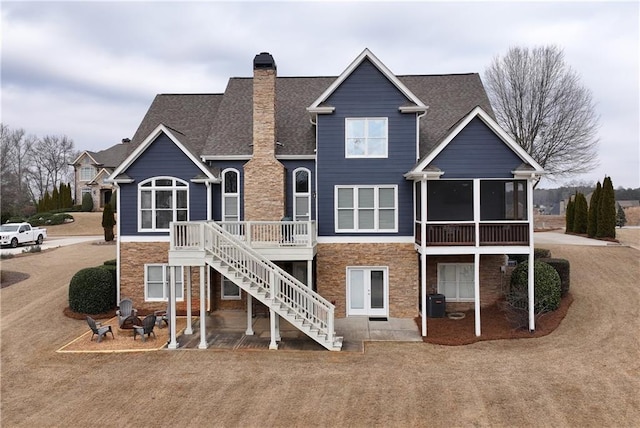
<point x="91" y="169"/>
<point x="313" y="198"/>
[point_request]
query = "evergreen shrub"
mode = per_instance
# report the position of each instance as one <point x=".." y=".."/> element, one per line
<point x="546" y="287"/>
<point x="561" y="266"/>
<point x="92" y="291"/>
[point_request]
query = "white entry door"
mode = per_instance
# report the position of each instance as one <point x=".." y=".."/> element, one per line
<point x="367" y="292"/>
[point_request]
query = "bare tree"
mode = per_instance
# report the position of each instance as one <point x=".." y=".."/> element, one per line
<point x="51" y="157"/>
<point x="541" y="102"/>
<point x="15" y="161"/>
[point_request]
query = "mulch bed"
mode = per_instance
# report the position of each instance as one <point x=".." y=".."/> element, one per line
<point x="9" y="277"/>
<point x="493" y="323"/>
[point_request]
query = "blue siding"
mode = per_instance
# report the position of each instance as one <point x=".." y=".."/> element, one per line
<point x="161" y="158"/>
<point x="477" y="152"/>
<point x="365" y="93"/>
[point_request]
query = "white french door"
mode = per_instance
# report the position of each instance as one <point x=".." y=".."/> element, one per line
<point x="367" y="291"/>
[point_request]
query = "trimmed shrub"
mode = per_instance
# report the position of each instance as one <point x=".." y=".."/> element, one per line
<point x="92" y="291"/>
<point x="561" y="266"/>
<point x="546" y="287"/>
<point x="108" y="221"/>
<point x="87" y="203"/>
<point x="113" y="271"/>
<point x="569" y="214"/>
<point x="112" y="262"/>
<point x="580" y="214"/>
<point x="49" y="219"/>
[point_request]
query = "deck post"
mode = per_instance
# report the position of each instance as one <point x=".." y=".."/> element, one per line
<point x="272" y="323"/>
<point x="249" y="331"/>
<point x="476" y="285"/>
<point x="203" y="313"/>
<point x="189" y="328"/>
<point x="173" y="344"/>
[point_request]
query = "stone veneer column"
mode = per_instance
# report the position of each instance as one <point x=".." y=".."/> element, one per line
<point x="264" y="180"/>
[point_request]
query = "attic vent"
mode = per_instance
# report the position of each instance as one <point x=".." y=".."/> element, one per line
<point x="264" y="60"/>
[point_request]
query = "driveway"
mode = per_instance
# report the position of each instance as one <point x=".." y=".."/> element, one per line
<point x="561" y="238"/>
<point x="585" y="374"/>
<point x="54" y="242"/>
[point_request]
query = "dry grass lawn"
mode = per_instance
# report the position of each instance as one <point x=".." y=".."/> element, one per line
<point x="586" y="373"/>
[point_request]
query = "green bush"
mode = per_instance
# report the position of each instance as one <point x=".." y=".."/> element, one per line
<point x="563" y="268"/>
<point x="87" y="203"/>
<point x="546" y="287"/>
<point x="112" y="262"/>
<point x="92" y="291"/>
<point x="49" y="219"/>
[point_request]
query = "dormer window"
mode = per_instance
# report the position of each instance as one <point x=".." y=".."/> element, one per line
<point x="366" y="137"/>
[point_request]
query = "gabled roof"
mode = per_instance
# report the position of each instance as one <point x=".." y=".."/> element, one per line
<point x="110" y="157"/>
<point x="189" y="114"/>
<point x="220" y="125"/>
<point x="104" y="173"/>
<point x="365" y="55"/>
<point x="161" y="129"/>
<point x="529" y="166"/>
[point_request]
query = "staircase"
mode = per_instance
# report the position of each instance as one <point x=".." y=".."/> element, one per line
<point x="279" y="291"/>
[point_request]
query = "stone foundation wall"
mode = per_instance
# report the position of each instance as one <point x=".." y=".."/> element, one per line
<point x="133" y="257"/>
<point x="400" y="259"/>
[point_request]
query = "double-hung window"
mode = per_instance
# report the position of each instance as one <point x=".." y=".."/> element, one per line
<point x="455" y="281"/>
<point x="162" y="200"/>
<point x="230" y="195"/>
<point x="366" y="209"/>
<point x="301" y="194"/>
<point x="157" y="278"/>
<point x="366" y="137"/>
<point x="87" y="173"/>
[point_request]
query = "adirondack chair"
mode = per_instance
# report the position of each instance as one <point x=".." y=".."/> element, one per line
<point x="163" y="316"/>
<point x="126" y="310"/>
<point x="97" y="328"/>
<point x="146" y="328"/>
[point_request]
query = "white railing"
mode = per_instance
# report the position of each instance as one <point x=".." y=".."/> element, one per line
<point x="273" y="233"/>
<point x="279" y="286"/>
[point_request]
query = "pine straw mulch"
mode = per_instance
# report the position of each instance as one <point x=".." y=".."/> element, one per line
<point x="122" y="340"/>
<point x="494" y="325"/>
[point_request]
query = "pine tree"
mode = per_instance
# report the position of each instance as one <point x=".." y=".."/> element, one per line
<point x="46" y="203"/>
<point x="569" y="215"/>
<point x="607" y="211"/>
<point x="621" y="217"/>
<point x="592" y="227"/>
<point x="108" y="221"/>
<point x="55" y="199"/>
<point x="580" y="215"/>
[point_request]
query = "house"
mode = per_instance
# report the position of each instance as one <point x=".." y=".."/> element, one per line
<point x="316" y="198"/>
<point x="91" y="170"/>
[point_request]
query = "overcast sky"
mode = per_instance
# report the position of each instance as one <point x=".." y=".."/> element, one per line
<point x="90" y="70"/>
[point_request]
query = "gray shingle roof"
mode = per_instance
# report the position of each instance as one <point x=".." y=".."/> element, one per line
<point x="189" y="114"/>
<point x="221" y="124"/>
<point x="113" y="156"/>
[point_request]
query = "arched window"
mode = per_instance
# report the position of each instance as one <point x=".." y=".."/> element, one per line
<point x="162" y="200"/>
<point x="230" y="195"/>
<point x="301" y="194"/>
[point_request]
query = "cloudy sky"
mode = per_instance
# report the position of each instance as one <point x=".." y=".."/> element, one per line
<point x="91" y="69"/>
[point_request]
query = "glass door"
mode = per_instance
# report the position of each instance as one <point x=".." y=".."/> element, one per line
<point x="367" y="292"/>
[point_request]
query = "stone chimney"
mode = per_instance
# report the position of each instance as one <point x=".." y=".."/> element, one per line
<point x="264" y="175"/>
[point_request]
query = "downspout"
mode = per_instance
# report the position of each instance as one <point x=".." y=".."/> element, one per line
<point x="118" y="198"/>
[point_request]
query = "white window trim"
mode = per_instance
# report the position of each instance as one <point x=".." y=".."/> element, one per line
<point x="153" y="190"/>
<point x="165" y="280"/>
<point x="366" y="156"/>
<point x="457" y="299"/>
<point x="224" y="194"/>
<point x="227" y="297"/>
<point x="91" y="173"/>
<point x="376" y="208"/>
<point x="301" y="194"/>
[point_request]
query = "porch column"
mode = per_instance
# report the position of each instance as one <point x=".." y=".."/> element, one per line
<point x="278" y="337"/>
<point x="272" y="322"/>
<point x="310" y="274"/>
<point x="530" y="284"/>
<point x="249" y="331"/>
<point x="173" y="344"/>
<point x="423" y="253"/>
<point x="476" y="292"/>
<point x="208" y="287"/>
<point x="189" y="329"/>
<point x="203" y="313"/>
